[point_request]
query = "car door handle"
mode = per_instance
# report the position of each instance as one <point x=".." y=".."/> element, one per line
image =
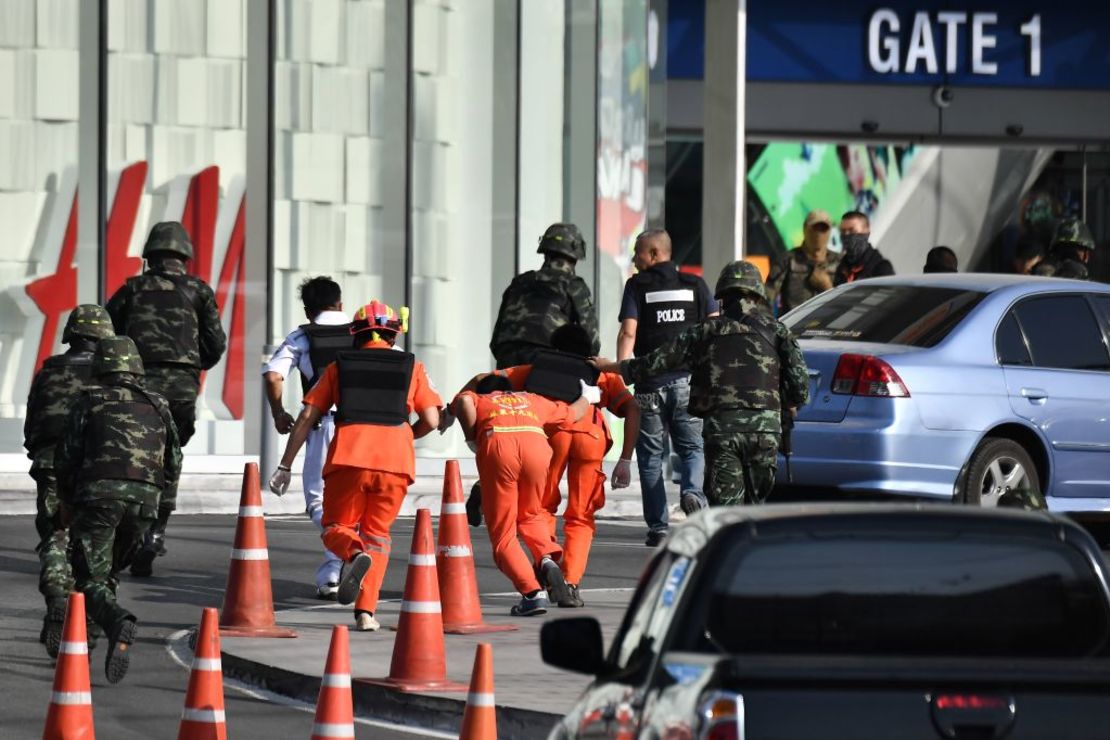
<point x="813" y="373"/>
<point x="1035" y="395"/>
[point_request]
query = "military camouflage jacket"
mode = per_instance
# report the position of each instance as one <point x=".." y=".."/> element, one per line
<point x="116" y="434"/>
<point x="178" y="333"/>
<point x="538" y="302"/>
<point x="53" y="391"/>
<point x="738" y="381"/>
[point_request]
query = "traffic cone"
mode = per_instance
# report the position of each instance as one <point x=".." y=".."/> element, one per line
<point x="335" y="713"/>
<point x="70" y="715"/>
<point x="458" y="584"/>
<point x="419" y="658"/>
<point x="203" y="716"/>
<point x="248" y="609"/>
<point x="480" y="716"/>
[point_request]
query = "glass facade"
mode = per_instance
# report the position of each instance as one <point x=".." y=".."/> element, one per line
<point x="419" y="150"/>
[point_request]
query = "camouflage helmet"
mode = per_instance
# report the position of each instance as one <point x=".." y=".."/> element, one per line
<point x="117" y="355"/>
<point x="89" y="321"/>
<point x="564" y="239"/>
<point x="169" y="237"/>
<point x="740" y="275"/>
<point x="1074" y="232"/>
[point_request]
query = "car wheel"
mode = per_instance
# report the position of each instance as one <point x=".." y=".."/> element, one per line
<point x="1002" y="473"/>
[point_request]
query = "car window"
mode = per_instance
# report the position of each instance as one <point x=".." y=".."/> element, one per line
<point x="960" y="594"/>
<point x="918" y="316"/>
<point x="650" y="613"/>
<point x="1009" y="344"/>
<point x="1063" y="333"/>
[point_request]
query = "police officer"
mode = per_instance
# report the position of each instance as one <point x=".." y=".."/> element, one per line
<point x="118" y="452"/>
<point x="53" y="391"/>
<point x="1069" y="253"/>
<point x="659" y="304"/>
<point x="745" y="368"/>
<point x="538" y="302"/>
<point x="311" y="348"/>
<point x="175" y="323"/>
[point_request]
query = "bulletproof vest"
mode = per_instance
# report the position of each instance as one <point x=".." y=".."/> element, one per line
<point x="533" y="306"/>
<point x="667" y="302"/>
<point x="60" y="381"/>
<point x="125" y="437"/>
<point x="557" y="374"/>
<point x="374" y="386"/>
<point x="796" y="289"/>
<point x="740" y="368"/>
<point x="162" y="319"/>
<point x="324" y="343"/>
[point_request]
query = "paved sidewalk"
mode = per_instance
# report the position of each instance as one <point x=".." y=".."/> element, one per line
<point x="530" y="695"/>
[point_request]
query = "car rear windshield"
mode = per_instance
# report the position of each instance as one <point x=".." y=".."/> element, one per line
<point x="917" y="316"/>
<point x="947" y="595"/>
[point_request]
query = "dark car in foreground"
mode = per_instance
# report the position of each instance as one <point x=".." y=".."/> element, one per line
<point x="853" y="622"/>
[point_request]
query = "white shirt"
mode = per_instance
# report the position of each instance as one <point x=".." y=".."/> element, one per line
<point x="293" y="352"/>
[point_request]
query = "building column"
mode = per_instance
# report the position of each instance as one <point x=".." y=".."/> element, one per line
<point x="91" y="155"/>
<point x="725" y="171"/>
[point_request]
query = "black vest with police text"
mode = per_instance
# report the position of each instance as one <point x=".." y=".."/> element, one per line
<point x="556" y="375"/>
<point x="325" y="341"/>
<point x="374" y="386"/>
<point x="667" y="302"/>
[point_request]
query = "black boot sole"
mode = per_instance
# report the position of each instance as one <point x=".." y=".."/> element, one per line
<point x="351" y="583"/>
<point x="118" y="659"/>
<point x="52" y="638"/>
<point x="474" y="506"/>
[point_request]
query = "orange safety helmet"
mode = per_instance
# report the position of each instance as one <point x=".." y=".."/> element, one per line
<point x="377" y="316"/>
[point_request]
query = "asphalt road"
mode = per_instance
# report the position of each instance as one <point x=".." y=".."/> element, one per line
<point x="147" y="704"/>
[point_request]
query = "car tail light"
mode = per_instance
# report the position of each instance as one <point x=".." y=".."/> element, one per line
<point x="865" y="375"/>
<point x="722" y="716"/>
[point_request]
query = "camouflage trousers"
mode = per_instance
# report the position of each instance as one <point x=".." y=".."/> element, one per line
<point x="106" y="534"/>
<point x="740" y="467"/>
<point x="180" y="385"/>
<point x="55" y="575"/>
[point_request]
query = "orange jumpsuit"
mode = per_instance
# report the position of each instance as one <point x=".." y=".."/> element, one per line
<point x="578" y="449"/>
<point x="513" y="456"/>
<point x="368" y="471"/>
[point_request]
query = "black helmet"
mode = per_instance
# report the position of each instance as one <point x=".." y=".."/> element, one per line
<point x="89" y="321"/>
<point x="169" y="237"/>
<point x="564" y="239"/>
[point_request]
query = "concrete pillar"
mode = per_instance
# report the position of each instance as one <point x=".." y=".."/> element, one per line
<point x="724" y="171"/>
<point x="91" y="164"/>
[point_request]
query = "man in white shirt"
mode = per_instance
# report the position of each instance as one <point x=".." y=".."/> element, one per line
<point x="310" y="348"/>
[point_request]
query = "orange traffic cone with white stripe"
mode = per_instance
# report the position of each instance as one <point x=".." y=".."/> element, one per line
<point x="203" y="716"/>
<point x="480" y="716"/>
<point x="70" y="715"/>
<point x="458" y="584"/>
<point x="335" y="713"/>
<point x="248" y="609"/>
<point x="419" y="657"/>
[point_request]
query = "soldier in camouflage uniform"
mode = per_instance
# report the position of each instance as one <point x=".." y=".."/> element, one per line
<point x="745" y="368"/>
<point x="53" y="390"/>
<point x="118" y="452"/>
<point x="1069" y="253"/>
<point x="174" y="320"/>
<point x="538" y="302"/>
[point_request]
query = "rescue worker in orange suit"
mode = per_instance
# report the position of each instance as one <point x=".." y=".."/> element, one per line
<point x="578" y="450"/>
<point x="508" y="432"/>
<point x="371" y="462"/>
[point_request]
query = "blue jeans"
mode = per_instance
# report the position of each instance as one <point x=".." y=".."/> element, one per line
<point x="665" y="411"/>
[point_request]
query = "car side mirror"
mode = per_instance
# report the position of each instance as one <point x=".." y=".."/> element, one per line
<point x="573" y="644"/>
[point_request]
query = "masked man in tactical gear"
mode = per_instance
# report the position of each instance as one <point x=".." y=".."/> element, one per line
<point x="118" y="452"/>
<point x="1070" y="252"/>
<point x="371" y="461"/>
<point x="53" y="391"/>
<point x="858" y="259"/>
<point x="745" y="366"/>
<point x="175" y="323"/>
<point x="804" y="271"/>
<point x="538" y="302"/>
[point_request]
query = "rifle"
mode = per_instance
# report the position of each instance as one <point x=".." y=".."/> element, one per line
<point x="787" y="446"/>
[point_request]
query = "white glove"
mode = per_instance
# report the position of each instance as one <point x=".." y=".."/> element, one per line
<point x="473" y="445"/>
<point x="446" y="419"/>
<point x="622" y="474"/>
<point x="590" y="392"/>
<point x="279" y="481"/>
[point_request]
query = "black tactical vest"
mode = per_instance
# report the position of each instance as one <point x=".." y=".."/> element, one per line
<point x="125" y="437"/>
<point x="162" y="319"/>
<point x="739" y="369"/>
<point x="667" y="302"/>
<point x="530" y="298"/>
<point x="60" y="381"/>
<point x="374" y="386"/>
<point x="324" y="343"/>
<point x="556" y="375"/>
